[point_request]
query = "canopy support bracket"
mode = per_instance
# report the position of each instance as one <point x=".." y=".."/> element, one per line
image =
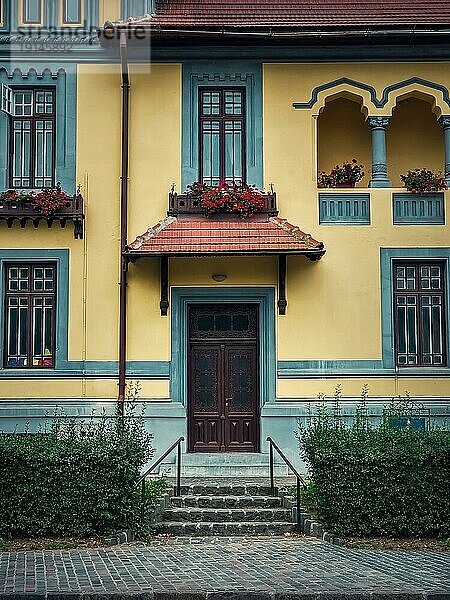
<point x="282" y="302"/>
<point x="164" y="302"/>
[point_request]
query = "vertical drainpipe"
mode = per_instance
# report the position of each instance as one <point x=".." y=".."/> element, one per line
<point x="123" y="224"/>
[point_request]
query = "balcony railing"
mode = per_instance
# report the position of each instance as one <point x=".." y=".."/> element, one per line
<point x="183" y="204"/>
<point x="23" y="211"/>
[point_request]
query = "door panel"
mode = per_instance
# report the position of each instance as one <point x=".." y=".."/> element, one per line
<point x="223" y="386"/>
<point x="240" y="397"/>
<point x="205" y="397"/>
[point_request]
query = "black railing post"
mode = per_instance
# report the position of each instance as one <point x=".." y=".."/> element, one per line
<point x="155" y="464"/>
<point x="178" y="468"/>
<point x="273" y="446"/>
<point x="272" y="484"/>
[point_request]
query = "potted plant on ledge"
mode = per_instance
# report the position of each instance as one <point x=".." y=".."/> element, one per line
<point x="421" y="181"/>
<point x="345" y="176"/>
<point x="241" y="199"/>
<point x="47" y="202"/>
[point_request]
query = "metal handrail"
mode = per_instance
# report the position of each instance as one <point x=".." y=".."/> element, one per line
<point x="300" y="481"/>
<point x="152" y="467"/>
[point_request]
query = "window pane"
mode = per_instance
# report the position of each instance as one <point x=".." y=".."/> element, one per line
<point x="420" y="325"/>
<point x="29" y="326"/>
<point x="223" y="322"/>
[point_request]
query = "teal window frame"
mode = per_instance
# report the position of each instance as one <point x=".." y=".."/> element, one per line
<point x="63" y="81"/>
<point x="182" y="297"/>
<point x="231" y="74"/>
<point x="387" y="258"/>
<point x="61" y="259"/>
<point x="51" y="17"/>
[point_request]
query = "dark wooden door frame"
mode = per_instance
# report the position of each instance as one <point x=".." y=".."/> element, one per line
<point x="237" y="430"/>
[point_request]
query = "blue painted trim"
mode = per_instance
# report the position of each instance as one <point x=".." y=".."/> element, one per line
<point x="183" y="296"/>
<point x="220" y="73"/>
<point x="418" y="209"/>
<point x="137" y="8"/>
<point x="379" y="103"/>
<point x="344" y="208"/>
<point x="93" y="369"/>
<point x="61" y="257"/>
<point x="387" y="255"/>
<point x="65" y="82"/>
<point x="51" y="18"/>
<point x="351" y="369"/>
<point x="88" y="50"/>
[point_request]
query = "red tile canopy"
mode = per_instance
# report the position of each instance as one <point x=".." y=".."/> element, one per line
<point x="197" y="236"/>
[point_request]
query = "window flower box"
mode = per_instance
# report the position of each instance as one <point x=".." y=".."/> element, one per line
<point x="50" y="205"/>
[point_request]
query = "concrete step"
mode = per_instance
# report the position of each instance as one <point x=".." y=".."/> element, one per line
<point x="221" y="515"/>
<point x="248" y="528"/>
<point x="226" y="489"/>
<point x="226" y="501"/>
<point x="218" y="464"/>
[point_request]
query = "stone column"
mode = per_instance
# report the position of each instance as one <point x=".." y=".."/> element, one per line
<point x="444" y="122"/>
<point x="379" y="168"/>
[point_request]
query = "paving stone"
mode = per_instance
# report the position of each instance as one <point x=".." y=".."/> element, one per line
<point x="287" y="568"/>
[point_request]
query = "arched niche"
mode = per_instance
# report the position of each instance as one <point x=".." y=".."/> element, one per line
<point x="414" y="137"/>
<point x="342" y="134"/>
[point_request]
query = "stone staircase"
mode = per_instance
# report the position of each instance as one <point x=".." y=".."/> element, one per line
<point x="216" y="507"/>
<point x="218" y="465"/>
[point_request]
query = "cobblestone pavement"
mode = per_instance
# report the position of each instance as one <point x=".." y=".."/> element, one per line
<point x="272" y="566"/>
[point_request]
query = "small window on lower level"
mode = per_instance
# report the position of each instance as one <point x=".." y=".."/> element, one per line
<point x="419" y="314"/>
<point x="30" y="311"/>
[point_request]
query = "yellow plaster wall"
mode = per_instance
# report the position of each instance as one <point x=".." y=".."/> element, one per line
<point x="155" y="147"/>
<point x="77" y="388"/>
<point x="109" y="10"/>
<point x="155" y="142"/>
<point x="343" y="135"/>
<point x="351" y="387"/>
<point x="413" y="139"/>
<point x="245" y="271"/>
<point x="98" y="169"/>
<point x="334" y="305"/>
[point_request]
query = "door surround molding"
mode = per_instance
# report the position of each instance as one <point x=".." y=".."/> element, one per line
<point x="181" y="297"/>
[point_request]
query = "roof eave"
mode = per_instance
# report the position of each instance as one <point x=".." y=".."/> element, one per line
<point x="316" y="252"/>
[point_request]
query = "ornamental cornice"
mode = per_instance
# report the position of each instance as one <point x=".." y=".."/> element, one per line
<point x="378" y="122"/>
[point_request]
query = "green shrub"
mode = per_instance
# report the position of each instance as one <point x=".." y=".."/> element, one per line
<point x="385" y="480"/>
<point x="72" y="478"/>
<point x="155" y="489"/>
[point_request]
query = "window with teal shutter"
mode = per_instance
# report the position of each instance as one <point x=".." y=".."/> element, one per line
<point x="32" y="136"/>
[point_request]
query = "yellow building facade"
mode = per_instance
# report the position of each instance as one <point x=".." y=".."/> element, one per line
<point x="373" y="310"/>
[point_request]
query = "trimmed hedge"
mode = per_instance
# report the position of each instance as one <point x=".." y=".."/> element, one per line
<point x="383" y="480"/>
<point x="72" y="478"/>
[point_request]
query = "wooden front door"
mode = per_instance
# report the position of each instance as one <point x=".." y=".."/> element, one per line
<point x="223" y="378"/>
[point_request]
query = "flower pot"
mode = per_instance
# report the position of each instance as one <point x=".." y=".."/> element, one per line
<point x="346" y="184"/>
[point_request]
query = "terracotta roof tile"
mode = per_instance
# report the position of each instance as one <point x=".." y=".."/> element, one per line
<point x="208" y="236"/>
<point x="298" y="13"/>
